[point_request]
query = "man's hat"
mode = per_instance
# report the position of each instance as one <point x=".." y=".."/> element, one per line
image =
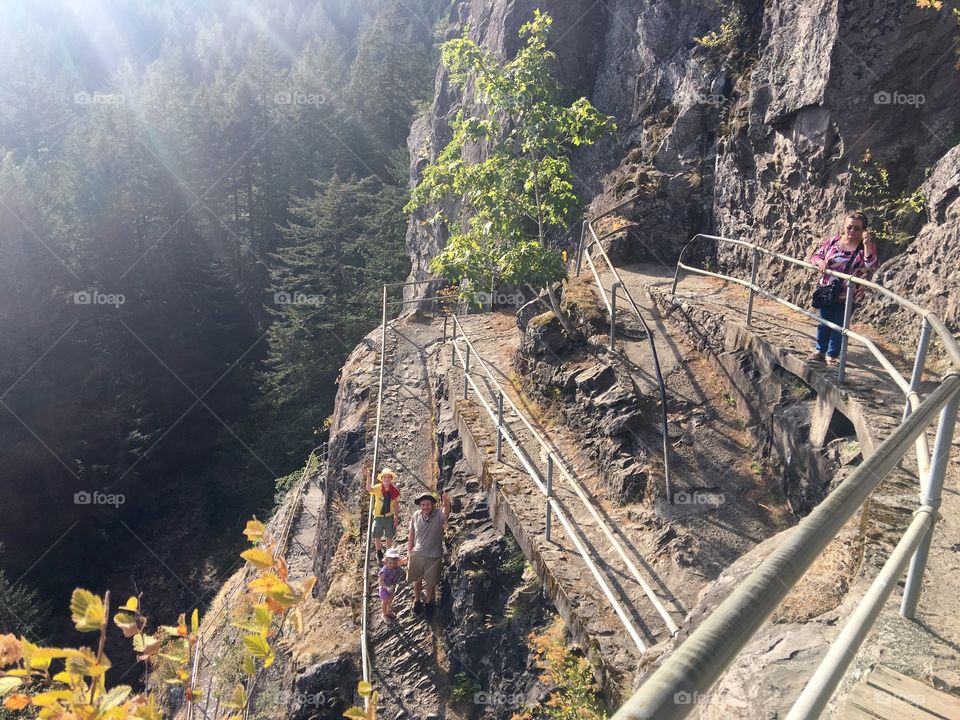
<point x="426" y="496"/>
<point x="386" y="471"/>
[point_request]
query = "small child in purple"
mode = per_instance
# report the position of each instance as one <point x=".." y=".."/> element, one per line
<point x="388" y="578"/>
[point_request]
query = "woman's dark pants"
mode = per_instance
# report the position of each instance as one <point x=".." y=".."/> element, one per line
<point x="828" y="339"/>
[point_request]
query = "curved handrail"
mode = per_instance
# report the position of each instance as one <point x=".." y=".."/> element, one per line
<point x="694" y="666"/>
<point x="571" y="481"/>
<point x="909" y="388"/>
<point x="618" y="283"/>
<point x="558" y="511"/>
<point x="946" y="337"/>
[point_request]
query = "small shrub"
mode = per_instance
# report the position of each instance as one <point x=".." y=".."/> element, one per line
<point x="892" y="213"/>
<point x="726" y="39"/>
<point x="463" y="689"/>
<point x="576" y="696"/>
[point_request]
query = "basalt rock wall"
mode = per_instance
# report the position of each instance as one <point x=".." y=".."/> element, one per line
<point x="752" y="137"/>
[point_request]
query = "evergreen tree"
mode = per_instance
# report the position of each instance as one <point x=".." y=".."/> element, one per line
<point x="342" y="245"/>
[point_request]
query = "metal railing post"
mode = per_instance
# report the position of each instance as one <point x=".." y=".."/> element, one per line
<point x="613" y="314"/>
<point x="828" y="675"/>
<point x="847" y="313"/>
<point x="583" y="232"/>
<point x="753" y="283"/>
<point x="453" y="344"/>
<point x="466" y="372"/>
<point x="499" y="426"/>
<point x="714" y="643"/>
<point x="444" y="328"/>
<point x="549" y="493"/>
<point x="918" y="362"/>
<point x="931" y="497"/>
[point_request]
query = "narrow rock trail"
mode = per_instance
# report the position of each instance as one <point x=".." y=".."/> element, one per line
<point x="928" y="649"/>
<point x="407" y="654"/>
<point x="494" y="337"/>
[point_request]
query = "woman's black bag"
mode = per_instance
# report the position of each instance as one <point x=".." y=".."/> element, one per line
<point x="829" y="294"/>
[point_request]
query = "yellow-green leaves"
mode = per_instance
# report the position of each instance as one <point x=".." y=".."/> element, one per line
<point x="146" y="646"/>
<point x="9" y="684"/>
<point x="237" y="699"/>
<point x="259" y="648"/>
<point x="129" y="624"/>
<point x="85" y="662"/>
<point x="254" y="530"/>
<point x="258" y="557"/>
<point x="87" y="610"/>
<point x="370" y="697"/>
<point x="77" y="688"/>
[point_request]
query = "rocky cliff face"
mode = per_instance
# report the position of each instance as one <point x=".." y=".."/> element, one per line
<point x="753" y="137"/>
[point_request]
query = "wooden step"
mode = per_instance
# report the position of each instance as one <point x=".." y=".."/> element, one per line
<point x="888" y="695"/>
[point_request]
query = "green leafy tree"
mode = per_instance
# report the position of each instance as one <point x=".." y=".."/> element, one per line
<point x="523" y="186"/>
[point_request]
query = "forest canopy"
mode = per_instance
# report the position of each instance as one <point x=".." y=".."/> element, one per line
<point x="183" y="270"/>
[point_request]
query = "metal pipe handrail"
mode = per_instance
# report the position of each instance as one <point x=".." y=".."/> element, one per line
<point x="574" y="484"/>
<point x="618" y="282"/>
<point x="558" y="511"/>
<point x="364" y="641"/>
<point x="929" y="320"/>
<point x="892" y="371"/>
<point x="819" y="689"/>
<point x="600" y="217"/>
<point x="702" y="658"/>
<point x="949" y="342"/>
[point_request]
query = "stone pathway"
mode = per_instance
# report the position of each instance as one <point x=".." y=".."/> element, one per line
<point x="927" y="650"/>
<point x="404" y="653"/>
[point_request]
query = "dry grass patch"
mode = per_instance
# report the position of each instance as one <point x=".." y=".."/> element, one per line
<point x="824" y="585"/>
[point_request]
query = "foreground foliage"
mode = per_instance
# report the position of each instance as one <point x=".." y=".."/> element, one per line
<point x="70" y="683"/>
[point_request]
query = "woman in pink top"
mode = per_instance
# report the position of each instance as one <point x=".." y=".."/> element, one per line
<point x="856" y="247"/>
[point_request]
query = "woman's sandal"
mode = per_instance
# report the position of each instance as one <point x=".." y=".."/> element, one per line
<point x="816" y="357"/>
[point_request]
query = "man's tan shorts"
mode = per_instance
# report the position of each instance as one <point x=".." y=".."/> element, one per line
<point x="424" y="568"/>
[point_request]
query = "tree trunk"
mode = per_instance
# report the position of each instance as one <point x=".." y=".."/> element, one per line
<point x="555" y="306"/>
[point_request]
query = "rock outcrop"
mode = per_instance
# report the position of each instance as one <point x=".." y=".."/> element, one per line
<point x="751" y="136"/>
